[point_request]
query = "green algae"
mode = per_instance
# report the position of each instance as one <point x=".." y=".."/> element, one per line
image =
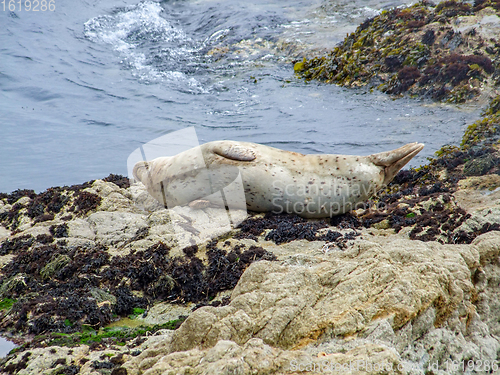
<point x="6" y="303"/>
<point x="414" y="50"/>
<point x="59" y="262"/>
<point x="111" y="335"/>
<point x="486" y="129"/>
<point x="129" y="322"/>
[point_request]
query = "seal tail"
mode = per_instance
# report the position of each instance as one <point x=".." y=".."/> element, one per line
<point x="394" y="160"/>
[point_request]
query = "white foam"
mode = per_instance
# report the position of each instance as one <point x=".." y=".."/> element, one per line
<point x="133" y="26"/>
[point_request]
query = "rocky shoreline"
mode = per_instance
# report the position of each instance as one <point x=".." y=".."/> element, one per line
<point x="447" y="52"/>
<point x="99" y="278"/>
<point x="278" y="294"/>
<point x="96" y="280"/>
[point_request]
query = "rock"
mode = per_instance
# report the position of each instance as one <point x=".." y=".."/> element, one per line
<point x="23" y="201"/>
<point x="481" y="218"/>
<point x="143" y="199"/>
<point x="198" y="226"/>
<point x="475" y="193"/>
<point x="445" y="52"/>
<point x="384" y="224"/>
<point x="113" y="197"/>
<point x="116" y="228"/>
<point x="4" y="233"/>
<point x="486" y="23"/>
<point x="488" y="279"/>
<point x="80" y="228"/>
<point x="164" y="312"/>
<point x="483" y="183"/>
<point x="290" y="306"/>
<point x="255" y="357"/>
<point x="479" y="166"/>
<point x="48" y="361"/>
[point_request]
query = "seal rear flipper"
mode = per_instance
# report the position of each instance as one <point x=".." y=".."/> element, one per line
<point x="396" y="159"/>
<point x="234" y="152"/>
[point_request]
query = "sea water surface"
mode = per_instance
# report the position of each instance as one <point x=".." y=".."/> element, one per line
<point x="5" y="346"/>
<point x="84" y="85"/>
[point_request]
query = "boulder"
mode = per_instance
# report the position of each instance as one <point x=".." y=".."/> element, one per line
<point x="290" y="306"/>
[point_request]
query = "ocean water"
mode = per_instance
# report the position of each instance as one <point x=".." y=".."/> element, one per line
<point x="5" y="347"/>
<point x="84" y="85"/>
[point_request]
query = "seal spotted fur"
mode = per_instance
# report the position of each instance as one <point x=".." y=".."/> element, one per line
<point x="275" y="180"/>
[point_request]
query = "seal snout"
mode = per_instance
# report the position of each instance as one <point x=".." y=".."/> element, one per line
<point x="140" y="169"/>
<point x="396" y="159"/>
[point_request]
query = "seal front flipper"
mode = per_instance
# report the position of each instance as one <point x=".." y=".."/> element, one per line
<point x="234" y="152"/>
<point x="199" y="204"/>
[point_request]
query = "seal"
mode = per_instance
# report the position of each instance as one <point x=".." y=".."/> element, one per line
<point x="312" y="186"/>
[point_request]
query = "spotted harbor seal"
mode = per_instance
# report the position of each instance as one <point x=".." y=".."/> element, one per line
<point x="311" y="186"/>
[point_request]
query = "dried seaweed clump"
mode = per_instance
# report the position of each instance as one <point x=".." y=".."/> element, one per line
<point x="287" y="228"/>
<point x="414" y="50"/>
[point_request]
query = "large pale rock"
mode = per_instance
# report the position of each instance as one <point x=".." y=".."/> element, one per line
<point x="4" y="233"/>
<point x="80" y="229"/>
<point x="255" y="357"/>
<point x="113" y="228"/>
<point x="485" y="22"/>
<point x="4" y="207"/>
<point x="142" y="199"/>
<point x="43" y="360"/>
<point x="163" y="312"/>
<point x="488" y="280"/>
<point x="197" y="226"/>
<point x="479" y="192"/>
<point x="113" y="197"/>
<point x="290" y="306"/>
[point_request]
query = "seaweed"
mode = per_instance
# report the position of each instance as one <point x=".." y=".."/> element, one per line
<point x="18" y="194"/>
<point x="286" y="228"/>
<point x="61" y="289"/>
<point x="484" y="132"/>
<point x="16" y="244"/>
<point x="119" y="180"/>
<point x="85" y="202"/>
<point x="49" y="202"/>
<point x="412" y="50"/>
<point x="59" y="231"/>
